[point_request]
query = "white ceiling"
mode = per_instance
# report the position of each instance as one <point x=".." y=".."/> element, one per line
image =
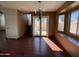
<point x="32" y="5"/>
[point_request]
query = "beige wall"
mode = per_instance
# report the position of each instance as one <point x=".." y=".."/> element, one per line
<point x="52" y="18"/>
<point x="71" y="45"/>
<point x="21" y="24"/>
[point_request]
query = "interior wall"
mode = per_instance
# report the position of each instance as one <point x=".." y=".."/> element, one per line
<point x="52" y="18"/>
<point x="11" y="23"/>
<point x="15" y="23"/>
<point x="69" y="44"/>
<point x="22" y="24"/>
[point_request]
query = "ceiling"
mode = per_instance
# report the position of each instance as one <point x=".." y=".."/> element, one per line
<point x="32" y="5"/>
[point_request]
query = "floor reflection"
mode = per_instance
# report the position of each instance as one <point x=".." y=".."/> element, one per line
<point x="40" y="46"/>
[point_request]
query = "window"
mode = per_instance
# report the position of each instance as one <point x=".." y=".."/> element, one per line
<point x="29" y="18"/>
<point x="2" y="21"/>
<point x="61" y="23"/>
<point x="74" y="22"/>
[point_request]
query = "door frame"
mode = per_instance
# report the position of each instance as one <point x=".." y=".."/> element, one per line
<point x="40" y="26"/>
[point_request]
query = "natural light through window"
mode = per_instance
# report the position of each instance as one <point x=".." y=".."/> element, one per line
<point x="61" y="23"/>
<point x="73" y="22"/>
<point x="52" y="45"/>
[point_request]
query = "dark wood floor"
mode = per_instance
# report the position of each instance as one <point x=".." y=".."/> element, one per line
<point x="27" y="46"/>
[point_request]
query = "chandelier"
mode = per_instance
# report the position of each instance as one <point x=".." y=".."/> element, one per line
<point x="39" y="12"/>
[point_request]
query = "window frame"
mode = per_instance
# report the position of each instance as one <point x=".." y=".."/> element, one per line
<point x="76" y="36"/>
<point x="58" y="23"/>
<point x="72" y="34"/>
<point x="70" y="23"/>
<point x="67" y="19"/>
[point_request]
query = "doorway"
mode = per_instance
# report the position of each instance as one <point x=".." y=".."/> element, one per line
<point x="2" y="21"/>
<point x="40" y="27"/>
<point x="2" y="27"/>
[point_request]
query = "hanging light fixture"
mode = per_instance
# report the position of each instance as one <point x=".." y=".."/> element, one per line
<point x="39" y="12"/>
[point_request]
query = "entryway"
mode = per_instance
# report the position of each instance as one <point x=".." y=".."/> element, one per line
<point x="40" y="26"/>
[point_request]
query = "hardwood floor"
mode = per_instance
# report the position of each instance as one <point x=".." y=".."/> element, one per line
<point x="28" y="46"/>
